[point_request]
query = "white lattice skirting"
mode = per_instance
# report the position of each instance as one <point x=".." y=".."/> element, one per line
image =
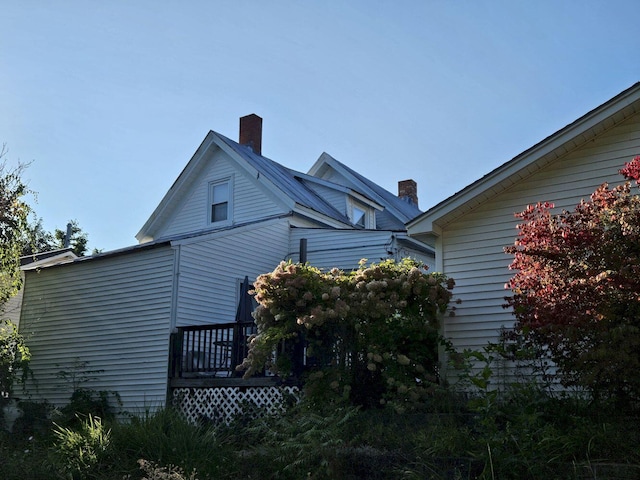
<point x="222" y="404"/>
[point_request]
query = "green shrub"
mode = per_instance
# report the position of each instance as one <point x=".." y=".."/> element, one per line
<point x="35" y="418"/>
<point x="79" y="454"/>
<point x="85" y="403"/>
<point x="167" y="438"/>
<point x="14" y="360"/>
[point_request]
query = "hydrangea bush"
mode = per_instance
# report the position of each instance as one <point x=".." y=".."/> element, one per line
<point x="367" y="337"/>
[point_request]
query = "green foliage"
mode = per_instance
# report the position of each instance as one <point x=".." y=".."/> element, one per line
<point x="36" y="239"/>
<point x="371" y="335"/>
<point x="85" y="401"/>
<point x="308" y="442"/>
<point x="526" y="433"/>
<point x="79" y="453"/>
<point x="14" y="358"/>
<point x="169" y="440"/>
<point x="14" y="213"/>
<point x="77" y="242"/>
<point x="35" y="418"/>
<point x="524" y="429"/>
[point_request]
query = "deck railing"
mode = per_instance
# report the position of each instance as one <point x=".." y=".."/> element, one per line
<point x="209" y="350"/>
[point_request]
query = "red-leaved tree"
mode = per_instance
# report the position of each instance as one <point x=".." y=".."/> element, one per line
<point x="576" y="290"/>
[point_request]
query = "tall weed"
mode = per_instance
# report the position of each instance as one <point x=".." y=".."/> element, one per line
<point x="79" y="454"/>
<point x="166" y="438"/>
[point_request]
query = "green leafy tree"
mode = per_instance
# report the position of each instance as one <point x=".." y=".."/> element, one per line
<point x="36" y="239"/>
<point x="13" y="222"/>
<point x="78" y="241"/>
<point x="368" y="337"/>
<point x="14" y="357"/>
<point x="576" y="290"/>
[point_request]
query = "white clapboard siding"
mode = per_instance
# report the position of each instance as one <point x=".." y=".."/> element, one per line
<point x="11" y="308"/>
<point x="113" y="313"/>
<point x="212" y="266"/>
<point x="343" y="249"/>
<point x="250" y="202"/>
<point x="473" y="245"/>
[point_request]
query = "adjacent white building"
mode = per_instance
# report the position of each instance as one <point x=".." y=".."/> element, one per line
<point x="470" y="229"/>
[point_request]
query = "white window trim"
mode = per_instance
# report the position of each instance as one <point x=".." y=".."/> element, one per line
<point x="369" y="216"/>
<point x="229" y="220"/>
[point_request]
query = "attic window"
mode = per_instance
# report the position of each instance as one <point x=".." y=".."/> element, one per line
<point x="220" y="195"/>
<point x="358" y="217"/>
<point x="361" y="216"/>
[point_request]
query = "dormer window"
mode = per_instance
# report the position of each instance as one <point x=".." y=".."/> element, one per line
<point x="220" y="201"/>
<point x="361" y="215"/>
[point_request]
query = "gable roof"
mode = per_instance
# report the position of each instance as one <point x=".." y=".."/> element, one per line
<point x="286" y="180"/>
<point x="311" y="180"/>
<point x="402" y="209"/>
<point x="577" y="133"/>
<point x="289" y="186"/>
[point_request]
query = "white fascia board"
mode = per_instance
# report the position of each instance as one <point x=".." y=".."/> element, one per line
<point x="177" y="190"/>
<point x="365" y="200"/>
<point x="323" y="159"/>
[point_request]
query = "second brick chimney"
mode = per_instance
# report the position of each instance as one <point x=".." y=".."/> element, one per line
<point x="251" y="132"/>
<point x="408" y="191"/>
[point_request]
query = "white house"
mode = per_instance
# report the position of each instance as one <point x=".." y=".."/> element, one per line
<point x="470" y="229"/>
<point x="11" y="308"/>
<point x="232" y="213"/>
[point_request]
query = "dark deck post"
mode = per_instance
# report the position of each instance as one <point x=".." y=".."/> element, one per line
<point x="175" y="354"/>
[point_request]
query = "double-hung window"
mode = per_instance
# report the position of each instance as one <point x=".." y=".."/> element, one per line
<point x="220" y="201"/>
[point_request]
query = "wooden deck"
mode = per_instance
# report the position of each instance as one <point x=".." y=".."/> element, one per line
<point x="206" y="356"/>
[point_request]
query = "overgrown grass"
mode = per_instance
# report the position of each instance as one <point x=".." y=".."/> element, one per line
<point x="524" y="434"/>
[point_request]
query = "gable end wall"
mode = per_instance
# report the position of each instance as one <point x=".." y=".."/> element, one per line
<point x="250" y="202"/>
<point x="472" y="251"/>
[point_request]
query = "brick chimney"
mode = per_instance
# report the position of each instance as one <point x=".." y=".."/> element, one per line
<point x="251" y="132"/>
<point x="408" y="191"/>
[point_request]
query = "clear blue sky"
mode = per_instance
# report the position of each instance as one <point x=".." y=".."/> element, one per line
<point x="109" y="100"/>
